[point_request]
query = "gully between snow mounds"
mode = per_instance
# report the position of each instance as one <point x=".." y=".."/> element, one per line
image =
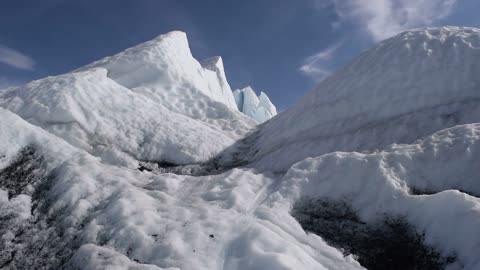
<point x="389" y="243"/>
<point x="237" y="155"/>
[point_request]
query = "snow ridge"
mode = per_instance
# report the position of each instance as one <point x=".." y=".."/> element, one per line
<point x="406" y="87"/>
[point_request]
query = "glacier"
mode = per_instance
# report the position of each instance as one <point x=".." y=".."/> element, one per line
<point x="145" y="160"/>
<point x="260" y="108"/>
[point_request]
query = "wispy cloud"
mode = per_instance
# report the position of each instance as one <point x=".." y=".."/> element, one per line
<point x="317" y="65"/>
<point x="384" y="18"/>
<point x="15" y="58"/>
<point x="378" y="19"/>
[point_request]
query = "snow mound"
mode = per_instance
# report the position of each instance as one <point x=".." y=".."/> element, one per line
<point x="390" y="183"/>
<point x="406" y="87"/>
<point x="164" y="70"/>
<point x="153" y="102"/>
<point x="259" y="108"/>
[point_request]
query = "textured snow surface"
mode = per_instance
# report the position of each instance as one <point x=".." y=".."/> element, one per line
<point x="259" y="108"/>
<point x="152" y="102"/>
<point x="396" y="134"/>
<point x="165" y="70"/>
<point x="390" y="183"/>
<point x="96" y="215"/>
<point x="406" y="87"/>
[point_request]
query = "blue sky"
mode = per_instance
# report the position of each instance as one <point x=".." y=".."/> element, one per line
<point x="282" y="47"/>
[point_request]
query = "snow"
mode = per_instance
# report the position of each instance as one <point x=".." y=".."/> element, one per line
<point x="381" y="183"/>
<point x="216" y="64"/>
<point x="395" y="134"/>
<point x="92" y="257"/>
<point x="165" y="70"/>
<point x="152" y="102"/>
<point x="406" y="87"/>
<point x="112" y="216"/>
<point x="259" y="108"/>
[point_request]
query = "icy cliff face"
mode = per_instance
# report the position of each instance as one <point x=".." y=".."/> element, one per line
<point x="259" y="108"/>
<point x="406" y="87"/>
<point x="215" y="64"/>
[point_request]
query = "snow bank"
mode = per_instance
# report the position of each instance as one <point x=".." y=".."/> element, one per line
<point x="383" y="183"/>
<point x="151" y="102"/>
<point x="94" y="113"/>
<point x="406" y="87"/>
<point x="259" y="108"/>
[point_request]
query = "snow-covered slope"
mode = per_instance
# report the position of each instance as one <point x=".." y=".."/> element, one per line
<point x="390" y="183"/>
<point x="406" y="87"/>
<point x="60" y="206"/>
<point x="259" y="108"/>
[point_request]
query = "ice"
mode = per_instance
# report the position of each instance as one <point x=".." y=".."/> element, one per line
<point x="395" y="135"/>
<point x="164" y="70"/>
<point x="216" y="64"/>
<point x="406" y="87"/>
<point x="391" y="182"/>
<point x="259" y="108"/>
<point x="96" y="215"/>
<point x="153" y="102"/>
<point x="94" y="113"/>
<point x="92" y="257"/>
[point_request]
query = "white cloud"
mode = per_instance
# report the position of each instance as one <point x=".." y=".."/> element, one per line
<point x="316" y="66"/>
<point x="380" y="19"/>
<point x="15" y="59"/>
<point x="385" y="18"/>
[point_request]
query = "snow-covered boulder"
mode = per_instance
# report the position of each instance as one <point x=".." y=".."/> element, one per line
<point x="406" y="87"/>
<point x="259" y="108"/>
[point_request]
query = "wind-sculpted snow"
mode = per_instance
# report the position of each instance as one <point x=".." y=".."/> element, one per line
<point x="94" y="113"/>
<point x="406" y="87"/>
<point x="165" y="71"/>
<point x="152" y="102"/>
<point x="259" y="108"/>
